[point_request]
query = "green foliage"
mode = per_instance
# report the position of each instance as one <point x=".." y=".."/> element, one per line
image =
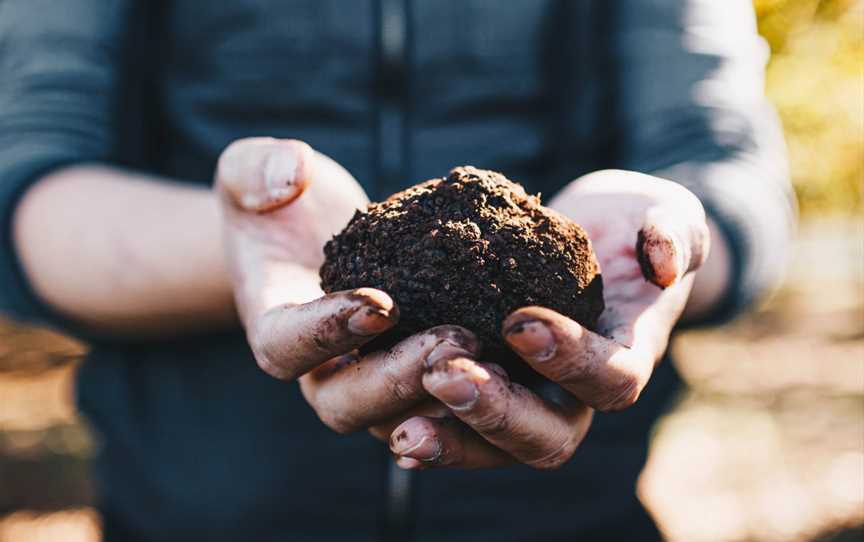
<point x="816" y="80"/>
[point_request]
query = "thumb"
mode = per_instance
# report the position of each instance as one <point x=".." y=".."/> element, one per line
<point x="261" y="174"/>
<point x="673" y="241"/>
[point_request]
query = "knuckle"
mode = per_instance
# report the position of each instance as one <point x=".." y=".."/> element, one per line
<point x="494" y="423"/>
<point x="332" y="406"/>
<point x="553" y="462"/>
<point x="277" y="372"/>
<point x="297" y="143"/>
<point x="556" y="458"/>
<point x="573" y="370"/>
<point x="400" y="390"/>
<point x="263" y="349"/>
<point x="493" y="417"/>
<point x="340" y="423"/>
<point x="622" y="395"/>
<point x="396" y="385"/>
<point x="316" y="343"/>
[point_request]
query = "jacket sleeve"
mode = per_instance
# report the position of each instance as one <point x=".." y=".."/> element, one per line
<point x="689" y="105"/>
<point x="59" y="71"/>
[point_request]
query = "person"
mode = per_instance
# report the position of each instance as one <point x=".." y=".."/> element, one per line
<point x="117" y="115"/>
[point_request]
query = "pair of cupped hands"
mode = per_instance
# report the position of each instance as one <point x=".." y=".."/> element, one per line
<point x="434" y="397"/>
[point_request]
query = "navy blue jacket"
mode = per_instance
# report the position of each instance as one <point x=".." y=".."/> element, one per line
<point x="196" y="441"/>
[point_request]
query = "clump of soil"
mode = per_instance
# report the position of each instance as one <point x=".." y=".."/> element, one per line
<point x="467" y="249"/>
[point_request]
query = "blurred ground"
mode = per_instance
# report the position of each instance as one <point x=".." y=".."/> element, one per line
<point x="766" y="445"/>
<point x="768" y="442"/>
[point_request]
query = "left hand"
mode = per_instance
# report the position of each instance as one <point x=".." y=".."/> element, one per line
<point x="281" y="201"/>
<point x="648" y="234"/>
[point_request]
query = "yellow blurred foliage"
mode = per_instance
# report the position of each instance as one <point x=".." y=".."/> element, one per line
<point x="816" y="80"/>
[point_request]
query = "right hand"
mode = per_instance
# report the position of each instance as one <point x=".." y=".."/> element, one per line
<point x="282" y="201"/>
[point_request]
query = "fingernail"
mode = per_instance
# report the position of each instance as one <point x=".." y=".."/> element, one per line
<point x="446" y="350"/>
<point x="532" y="339"/>
<point x="457" y="393"/>
<point x="427" y="449"/>
<point x="661" y="256"/>
<point x="458" y="336"/>
<point x="498" y="370"/>
<point x="280" y="173"/>
<point x="250" y="201"/>
<point x="369" y="321"/>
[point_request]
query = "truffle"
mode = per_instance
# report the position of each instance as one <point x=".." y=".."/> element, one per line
<point x="467" y="249"/>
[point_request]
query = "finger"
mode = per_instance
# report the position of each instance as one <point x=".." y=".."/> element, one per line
<point x="672" y="241"/>
<point x="601" y="372"/>
<point x="290" y="340"/>
<point x="430" y="408"/>
<point x="429" y="442"/>
<point x="507" y="415"/>
<point x="382" y="384"/>
<point x="261" y="174"/>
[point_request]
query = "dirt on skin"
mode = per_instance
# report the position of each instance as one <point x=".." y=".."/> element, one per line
<point x="467" y="249"/>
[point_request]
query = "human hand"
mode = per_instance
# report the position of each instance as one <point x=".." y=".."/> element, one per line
<point x="648" y="233"/>
<point x="281" y="202"/>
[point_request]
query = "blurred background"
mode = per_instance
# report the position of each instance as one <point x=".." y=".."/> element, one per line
<point x="767" y="444"/>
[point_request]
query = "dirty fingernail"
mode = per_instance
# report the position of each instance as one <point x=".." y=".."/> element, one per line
<point x="661" y="256"/>
<point x="251" y="201"/>
<point x="498" y="370"/>
<point x="280" y="172"/>
<point x="532" y="339"/>
<point x="461" y="337"/>
<point x="369" y="321"/>
<point x="457" y="393"/>
<point x="426" y="448"/>
<point x="446" y="350"/>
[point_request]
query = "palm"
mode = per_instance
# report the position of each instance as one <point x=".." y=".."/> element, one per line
<point x="626" y="292"/>
<point x="613" y="217"/>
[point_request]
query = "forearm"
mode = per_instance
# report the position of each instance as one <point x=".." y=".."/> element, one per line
<point x="699" y="117"/>
<point x="123" y="254"/>
<point x="746" y="196"/>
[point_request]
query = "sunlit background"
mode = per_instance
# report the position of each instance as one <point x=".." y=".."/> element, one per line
<point x="767" y="444"/>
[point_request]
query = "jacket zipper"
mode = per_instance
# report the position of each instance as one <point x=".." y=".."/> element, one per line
<point x="392" y="170"/>
<point x="392" y="94"/>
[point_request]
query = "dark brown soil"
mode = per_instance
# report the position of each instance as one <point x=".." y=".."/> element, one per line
<point x="467" y="250"/>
